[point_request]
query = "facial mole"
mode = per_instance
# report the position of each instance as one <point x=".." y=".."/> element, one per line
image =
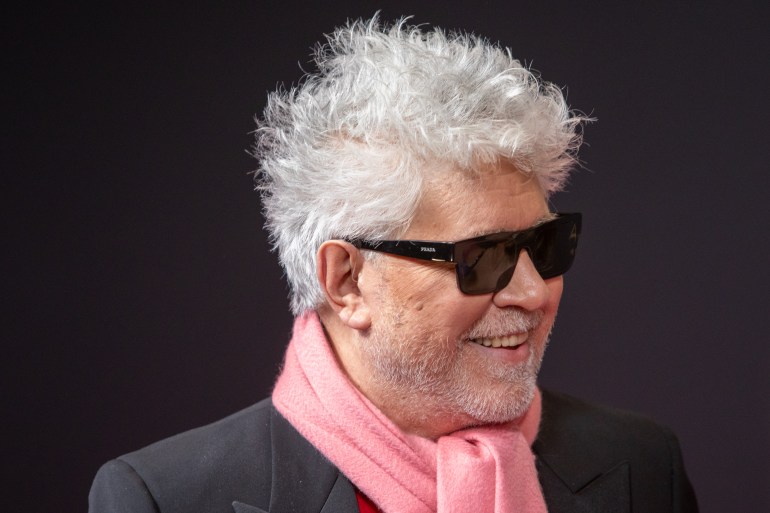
<point x="418" y="307"/>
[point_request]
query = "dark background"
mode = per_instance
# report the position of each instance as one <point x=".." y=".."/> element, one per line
<point x="141" y="298"/>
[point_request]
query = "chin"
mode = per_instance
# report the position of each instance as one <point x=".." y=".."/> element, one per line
<point x="500" y="407"/>
<point x="497" y="393"/>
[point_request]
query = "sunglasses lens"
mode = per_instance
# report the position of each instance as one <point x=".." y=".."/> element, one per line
<point x="553" y="248"/>
<point x="482" y="264"/>
<point x="486" y="264"/>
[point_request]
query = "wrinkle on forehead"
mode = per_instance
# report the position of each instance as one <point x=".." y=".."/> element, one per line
<point x="457" y="205"/>
<point x="549" y="216"/>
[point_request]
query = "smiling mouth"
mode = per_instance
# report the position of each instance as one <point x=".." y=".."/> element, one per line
<point x="509" y="341"/>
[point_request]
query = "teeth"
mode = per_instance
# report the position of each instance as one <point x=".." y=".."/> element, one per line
<point x="509" y="341"/>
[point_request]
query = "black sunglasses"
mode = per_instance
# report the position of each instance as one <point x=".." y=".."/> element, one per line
<point x="485" y="264"/>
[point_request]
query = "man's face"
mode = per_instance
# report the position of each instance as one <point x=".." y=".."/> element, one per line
<point x="425" y="359"/>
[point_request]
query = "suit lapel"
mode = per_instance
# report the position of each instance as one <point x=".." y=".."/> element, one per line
<point x="608" y="492"/>
<point x="342" y="497"/>
<point x="577" y="472"/>
<point x="303" y="480"/>
<point x="241" y="507"/>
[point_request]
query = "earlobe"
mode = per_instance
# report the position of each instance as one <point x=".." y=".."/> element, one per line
<point x="338" y="268"/>
<point x="355" y="313"/>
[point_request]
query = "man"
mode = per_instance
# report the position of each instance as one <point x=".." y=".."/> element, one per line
<point x="405" y="187"/>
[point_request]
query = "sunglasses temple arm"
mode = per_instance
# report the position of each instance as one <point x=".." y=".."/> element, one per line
<point x="423" y="250"/>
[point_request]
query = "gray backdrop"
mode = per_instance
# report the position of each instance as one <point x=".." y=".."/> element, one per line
<point x="142" y="299"/>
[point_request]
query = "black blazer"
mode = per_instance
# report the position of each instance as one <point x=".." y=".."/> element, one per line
<point x="589" y="459"/>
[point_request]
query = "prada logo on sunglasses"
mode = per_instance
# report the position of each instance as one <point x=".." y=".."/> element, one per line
<point x="486" y="264"/>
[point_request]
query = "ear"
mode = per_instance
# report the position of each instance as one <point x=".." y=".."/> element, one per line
<point x="338" y="266"/>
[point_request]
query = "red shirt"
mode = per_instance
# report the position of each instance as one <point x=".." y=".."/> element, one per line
<point x="365" y="505"/>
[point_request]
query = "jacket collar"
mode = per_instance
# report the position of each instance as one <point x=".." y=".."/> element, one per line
<point x="302" y="478"/>
<point x="577" y="470"/>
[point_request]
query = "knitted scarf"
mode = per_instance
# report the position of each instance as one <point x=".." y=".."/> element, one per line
<point x="477" y="470"/>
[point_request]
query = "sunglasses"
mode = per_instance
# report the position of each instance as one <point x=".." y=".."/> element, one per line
<point x="485" y="264"/>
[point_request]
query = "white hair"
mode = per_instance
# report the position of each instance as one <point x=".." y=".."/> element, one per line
<point x="345" y="153"/>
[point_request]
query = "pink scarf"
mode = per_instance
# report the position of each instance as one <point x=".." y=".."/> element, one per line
<point x="477" y="470"/>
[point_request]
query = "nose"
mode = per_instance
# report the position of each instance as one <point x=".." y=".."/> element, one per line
<point x="527" y="289"/>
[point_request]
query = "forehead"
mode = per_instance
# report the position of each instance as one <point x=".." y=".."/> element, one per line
<point x="457" y="205"/>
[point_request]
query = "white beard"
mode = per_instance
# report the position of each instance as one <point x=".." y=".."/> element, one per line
<point x="432" y="377"/>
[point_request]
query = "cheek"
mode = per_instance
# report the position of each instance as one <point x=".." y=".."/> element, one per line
<point x="555" y="289"/>
<point x="428" y="297"/>
<point x="419" y="285"/>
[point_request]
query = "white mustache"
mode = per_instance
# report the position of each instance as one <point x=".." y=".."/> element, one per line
<point x="508" y="322"/>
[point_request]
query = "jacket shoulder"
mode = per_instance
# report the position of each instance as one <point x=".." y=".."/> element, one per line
<point x="204" y="469"/>
<point x="566" y="419"/>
